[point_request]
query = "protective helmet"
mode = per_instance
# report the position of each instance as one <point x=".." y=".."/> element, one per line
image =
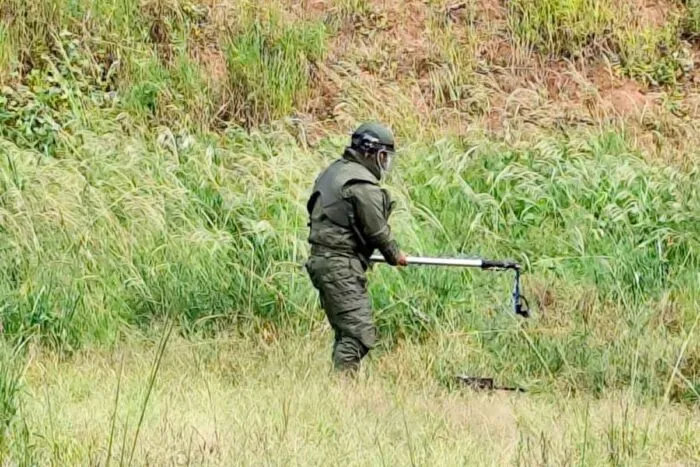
<point x="372" y="137"/>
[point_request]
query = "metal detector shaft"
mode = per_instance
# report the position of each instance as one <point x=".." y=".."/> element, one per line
<point x="465" y="263"/>
<point x="520" y="305"/>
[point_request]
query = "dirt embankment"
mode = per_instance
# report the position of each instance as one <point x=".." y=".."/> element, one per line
<point x="460" y="65"/>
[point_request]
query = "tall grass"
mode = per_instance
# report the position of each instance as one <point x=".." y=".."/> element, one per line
<point x="268" y="66"/>
<point x="451" y="79"/>
<point x="10" y="384"/>
<point x="560" y="27"/>
<point x="692" y="20"/>
<point x="156" y="58"/>
<point x="7" y="54"/>
<point x="351" y="10"/>
<point x="138" y="187"/>
<point x="252" y="401"/>
<point x="648" y="51"/>
<point x="655" y="55"/>
<point x="120" y="207"/>
<point x="212" y="231"/>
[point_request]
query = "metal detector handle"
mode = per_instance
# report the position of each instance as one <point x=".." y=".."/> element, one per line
<point x="465" y="263"/>
<point x="520" y="305"/>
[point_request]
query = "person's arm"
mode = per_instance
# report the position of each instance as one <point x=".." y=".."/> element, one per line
<point x="371" y="219"/>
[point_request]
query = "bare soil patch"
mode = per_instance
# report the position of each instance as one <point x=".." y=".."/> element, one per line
<point x="651" y="13"/>
<point x="388" y="59"/>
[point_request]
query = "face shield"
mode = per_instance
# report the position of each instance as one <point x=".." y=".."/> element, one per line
<point x="385" y="158"/>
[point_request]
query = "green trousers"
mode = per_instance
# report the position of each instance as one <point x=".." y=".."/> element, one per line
<point x="342" y="288"/>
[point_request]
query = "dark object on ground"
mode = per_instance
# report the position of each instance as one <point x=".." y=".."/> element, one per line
<point x="477" y="383"/>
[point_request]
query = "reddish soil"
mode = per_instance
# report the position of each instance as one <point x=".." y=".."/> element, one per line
<point x="651" y="13"/>
<point x="627" y="99"/>
<point x="390" y="55"/>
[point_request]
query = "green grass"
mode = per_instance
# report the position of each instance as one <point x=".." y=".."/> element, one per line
<point x="139" y="190"/>
<point x="269" y="67"/>
<point x="251" y="401"/>
<point x="10" y="389"/>
<point x="7" y="52"/>
<point x="654" y="55"/>
<point x="350" y="9"/>
<point x="573" y="29"/>
<point x="691" y="21"/>
<point x="560" y="27"/>
<point x="212" y="231"/>
<point x="450" y="81"/>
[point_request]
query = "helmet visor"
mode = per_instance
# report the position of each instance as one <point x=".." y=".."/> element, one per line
<point x="385" y="158"/>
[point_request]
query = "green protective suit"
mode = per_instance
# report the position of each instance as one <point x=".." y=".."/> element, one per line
<point x="349" y="216"/>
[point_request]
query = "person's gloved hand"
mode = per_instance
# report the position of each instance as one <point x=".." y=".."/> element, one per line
<point x="403" y="260"/>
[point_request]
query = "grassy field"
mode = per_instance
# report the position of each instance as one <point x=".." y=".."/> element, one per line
<point x="155" y="159"/>
<point x="245" y="401"/>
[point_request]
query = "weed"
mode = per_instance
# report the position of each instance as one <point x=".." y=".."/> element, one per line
<point x="691" y="21"/>
<point x="35" y="112"/>
<point x="654" y="56"/>
<point x="268" y="65"/>
<point x="352" y="8"/>
<point x="560" y="27"/>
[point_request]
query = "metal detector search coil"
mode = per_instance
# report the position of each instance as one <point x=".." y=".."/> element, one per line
<point x="520" y="304"/>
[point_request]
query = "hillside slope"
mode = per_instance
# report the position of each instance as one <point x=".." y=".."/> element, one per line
<point x="424" y="66"/>
<point x="156" y="156"/>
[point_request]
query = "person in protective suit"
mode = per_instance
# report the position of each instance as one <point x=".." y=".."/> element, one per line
<point x="348" y="221"/>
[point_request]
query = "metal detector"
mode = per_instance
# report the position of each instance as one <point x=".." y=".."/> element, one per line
<point x="520" y="303"/>
<point x="521" y="306"/>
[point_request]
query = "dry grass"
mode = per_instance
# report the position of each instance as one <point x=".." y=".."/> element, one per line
<point x="246" y="402"/>
<point x="425" y="67"/>
<point x="461" y="65"/>
<point x="148" y="203"/>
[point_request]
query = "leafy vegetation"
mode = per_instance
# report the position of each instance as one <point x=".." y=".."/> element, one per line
<point x="647" y="50"/>
<point x="203" y="229"/>
<point x="561" y="27"/>
<point x="269" y="67"/>
<point x="155" y="160"/>
<point x="692" y="19"/>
